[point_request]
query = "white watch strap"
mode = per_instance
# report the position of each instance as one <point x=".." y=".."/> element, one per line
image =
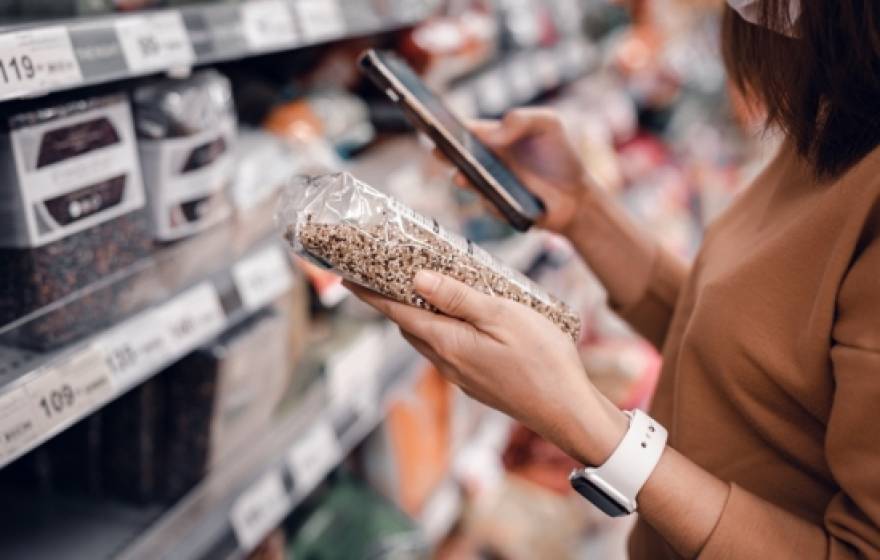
<point x="626" y="471"/>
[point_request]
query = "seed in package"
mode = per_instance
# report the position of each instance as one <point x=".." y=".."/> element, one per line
<point x="342" y="223"/>
<point x="72" y="207"/>
<point x="187" y="129"/>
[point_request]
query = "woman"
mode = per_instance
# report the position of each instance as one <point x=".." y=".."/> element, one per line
<point x="770" y="388"/>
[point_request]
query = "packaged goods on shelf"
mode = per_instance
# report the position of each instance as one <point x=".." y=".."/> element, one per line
<point x="377" y="242"/>
<point x="187" y="132"/>
<point x="220" y="396"/>
<point x="132" y="441"/>
<point x="409" y="455"/>
<point x="73" y="213"/>
<point x="351" y="521"/>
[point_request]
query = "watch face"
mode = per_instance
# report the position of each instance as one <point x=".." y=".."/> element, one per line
<point x="597" y="497"/>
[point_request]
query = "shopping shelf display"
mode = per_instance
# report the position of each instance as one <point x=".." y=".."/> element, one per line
<point x="176" y="382"/>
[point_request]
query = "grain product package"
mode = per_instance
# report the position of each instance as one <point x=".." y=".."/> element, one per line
<point x="373" y="240"/>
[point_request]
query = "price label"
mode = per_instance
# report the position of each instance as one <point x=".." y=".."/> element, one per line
<point x="313" y="456"/>
<point x="135" y="349"/>
<point x="320" y="19"/>
<point x="268" y="24"/>
<point x="352" y="375"/>
<point x="191" y="318"/>
<point x="263" y="277"/>
<point x="259" y="510"/>
<point x="65" y="392"/>
<point x="19" y="425"/>
<point x="36" y="60"/>
<point x="155" y="42"/>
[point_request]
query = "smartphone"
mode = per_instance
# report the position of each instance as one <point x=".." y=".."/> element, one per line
<point x="429" y="114"/>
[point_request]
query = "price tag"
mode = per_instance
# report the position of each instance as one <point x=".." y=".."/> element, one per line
<point x="320" y="19"/>
<point x="66" y="391"/>
<point x="191" y="319"/>
<point x="19" y="424"/>
<point x="313" y="456"/>
<point x="135" y="349"/>
<point x="155" y="42"/>
<point x="352" y="375"/>
<point x="36" y="60"/>
<point x="268" y="24"/>
<point x="263" y="277"/>
<point x="259" y="510"/>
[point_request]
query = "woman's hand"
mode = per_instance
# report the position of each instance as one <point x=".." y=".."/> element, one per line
<point x="533" y="143"/>
<point x="511" y="358"/>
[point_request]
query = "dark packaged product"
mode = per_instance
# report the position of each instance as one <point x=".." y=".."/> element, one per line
<point x="187" y="132"/>
<point x="130" y="434"/>
<point x="72" y="213"/>
<point x="220" y="396"/>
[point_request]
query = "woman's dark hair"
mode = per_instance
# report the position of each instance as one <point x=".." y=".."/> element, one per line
<point x="822" y="85"/>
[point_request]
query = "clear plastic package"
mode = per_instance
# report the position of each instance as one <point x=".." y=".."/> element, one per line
<point x="371" y="239"/>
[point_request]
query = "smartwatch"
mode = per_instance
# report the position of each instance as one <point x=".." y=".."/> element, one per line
<point x="613" y="487"/>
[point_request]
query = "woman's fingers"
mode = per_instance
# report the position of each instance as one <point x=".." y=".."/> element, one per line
<point x="428" y="326"/>
<point x="454" y="298"/>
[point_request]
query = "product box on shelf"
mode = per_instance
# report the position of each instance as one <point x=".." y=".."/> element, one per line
<point x="220" y="396"/>
<point x="187" y="132"/>
<point x="72" y="212"/>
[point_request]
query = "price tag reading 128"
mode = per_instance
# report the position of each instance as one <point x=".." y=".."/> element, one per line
<point x="36" y="60"/>
<point x="154" y="42"/>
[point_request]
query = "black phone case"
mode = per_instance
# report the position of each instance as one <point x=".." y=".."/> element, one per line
<point x="519" y="220"/>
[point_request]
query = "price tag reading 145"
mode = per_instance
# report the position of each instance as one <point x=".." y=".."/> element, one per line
<point x="36" y="60"/>
<point x="191" y="318"/>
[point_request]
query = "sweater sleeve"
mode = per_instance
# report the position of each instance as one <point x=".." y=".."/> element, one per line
<point x="651" y="312"/>
<point x="750" y="527"/>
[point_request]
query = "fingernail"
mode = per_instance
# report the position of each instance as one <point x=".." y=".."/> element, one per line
<point x="426" y="282"/>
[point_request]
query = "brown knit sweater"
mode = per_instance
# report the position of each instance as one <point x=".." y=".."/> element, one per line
<point x="771" y="374"/>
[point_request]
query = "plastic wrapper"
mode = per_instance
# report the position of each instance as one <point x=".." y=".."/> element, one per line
<point x="374" y="241"/>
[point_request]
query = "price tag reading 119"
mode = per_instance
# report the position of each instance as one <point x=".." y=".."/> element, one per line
<point x="36" y="60"/>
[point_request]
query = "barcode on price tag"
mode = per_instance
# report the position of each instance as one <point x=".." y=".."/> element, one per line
<point x="70" y="389"/>
<point x="19" y="423"/>
<point x="155" y="42"/>
<point x="320" y="19"/>
<point x="36" y="60"/>
<point x="191" y="319"/>
<point x="135" y="349"/>
<point x="259" y="510"/>
<point x="313" y="456"/>
<point x="353" y="374"/>
<point x="268" y="24"/>
<point x="263" y="277"/>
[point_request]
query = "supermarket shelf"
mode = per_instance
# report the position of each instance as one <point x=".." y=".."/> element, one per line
<point x="522" y="77"/>
<point x="41" y="395"/>
<point x="55" y="55"/>
<point x="236" y="506"/>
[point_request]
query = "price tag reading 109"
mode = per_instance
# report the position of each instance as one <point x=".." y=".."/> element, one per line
<point x="36" y="60"/>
